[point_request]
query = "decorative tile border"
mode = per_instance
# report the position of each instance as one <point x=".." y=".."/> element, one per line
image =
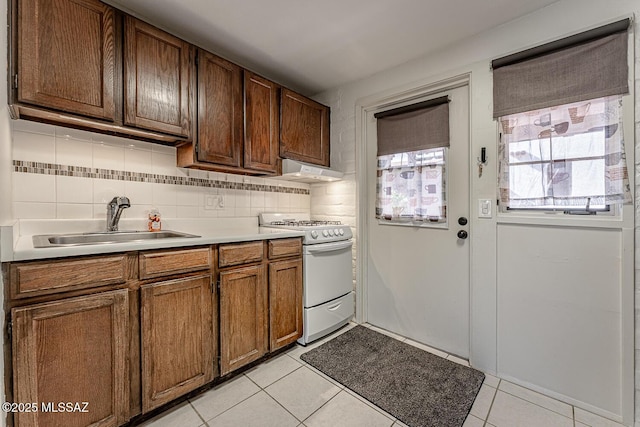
<point x="84" y="172"/>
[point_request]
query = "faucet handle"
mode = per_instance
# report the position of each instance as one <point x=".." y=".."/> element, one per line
<point x="120" y="201"/>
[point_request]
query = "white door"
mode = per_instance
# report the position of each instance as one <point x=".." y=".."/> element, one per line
<point x="418" y="278"/>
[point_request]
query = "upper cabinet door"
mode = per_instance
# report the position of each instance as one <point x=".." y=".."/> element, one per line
<point x="220" y="135"/>
<point x="158" y="79"/>
<point x="304" y="132"/>
<point x="261" y="123"/>
<point x="66" y="56"/>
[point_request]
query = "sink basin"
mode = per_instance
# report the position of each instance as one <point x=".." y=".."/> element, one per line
<point x="52" y="240"/>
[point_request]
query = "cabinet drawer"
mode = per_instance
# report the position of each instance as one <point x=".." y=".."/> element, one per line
<point x="240" y="253"/>
<point x="163" y="263"/>
<point x="46" y="277"/>
<point x="285" y="248"/>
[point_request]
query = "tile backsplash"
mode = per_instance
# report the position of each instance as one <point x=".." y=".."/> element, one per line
<point x="61" y="173"/>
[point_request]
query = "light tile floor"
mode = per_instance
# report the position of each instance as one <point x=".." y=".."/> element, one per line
<point x="285" y="391"/>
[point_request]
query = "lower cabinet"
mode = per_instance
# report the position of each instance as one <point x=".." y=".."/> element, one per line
<point x="285" y="302"/>
<point x="177" y="338"/>
<point x="243" y="316"/>
<point x="130" y="332"/>
<point x="72" y="350"/>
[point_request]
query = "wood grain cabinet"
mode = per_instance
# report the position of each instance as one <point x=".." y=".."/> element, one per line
<point x="66" y="56"/>
<point x="243" y="304"/>
<point x="72" y="350"/>
<point x="158" y="79"/>
<point x="220" y="116"/>
<point x="131" y="332"/>
<point x="285" y="302"/>
<point x="261" y="123"/>
<point x="243" y="316"/>
<point x="178" y="344"/>
<point x="237" y="120"/>
<point x="285" y="292"/>
<point x="304" y="129"/>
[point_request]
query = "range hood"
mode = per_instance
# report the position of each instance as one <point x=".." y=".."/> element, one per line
<point x="293" y="170"/>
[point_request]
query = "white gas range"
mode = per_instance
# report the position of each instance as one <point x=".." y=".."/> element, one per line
<point x="328" y="296"/>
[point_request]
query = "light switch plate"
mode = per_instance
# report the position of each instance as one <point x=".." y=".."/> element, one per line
<point x="484" y="208"/>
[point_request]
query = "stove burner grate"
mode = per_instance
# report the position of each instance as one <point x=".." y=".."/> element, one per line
<point x="312" y="223"/>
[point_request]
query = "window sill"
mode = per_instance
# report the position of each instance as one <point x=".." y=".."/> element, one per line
<point x="563" y="220"/>
<point x="438" y="225"/>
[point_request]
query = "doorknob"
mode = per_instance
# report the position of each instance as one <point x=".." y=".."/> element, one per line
<point x="462" y="234"/>
<point x="462" y="220"/>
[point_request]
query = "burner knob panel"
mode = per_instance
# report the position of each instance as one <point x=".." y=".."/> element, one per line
<point x="325" y="233"/>
<point x="314" y="234"/>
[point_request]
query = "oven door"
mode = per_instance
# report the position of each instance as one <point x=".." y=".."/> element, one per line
<point x="328" y="272"/>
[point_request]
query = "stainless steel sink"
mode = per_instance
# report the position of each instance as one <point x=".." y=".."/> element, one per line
<point x="52" y="240"/>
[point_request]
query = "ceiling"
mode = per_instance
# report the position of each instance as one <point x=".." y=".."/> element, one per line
<point x="315" y="45"/>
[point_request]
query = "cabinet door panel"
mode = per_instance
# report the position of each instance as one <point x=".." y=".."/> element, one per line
<point x="243" y="316"/>
<point x="63" y="349"/>
<point x="304" y="134"/>
<point x="285" y="302"/>
<point x="220" y="135"/>
<point x="177" y="338"/>
<point x="157" y="68"/>
<point x="261" y="123"/>
<point x="55" y="70"/>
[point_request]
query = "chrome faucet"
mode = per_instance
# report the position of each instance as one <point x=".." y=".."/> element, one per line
<point x="114" y="210"/>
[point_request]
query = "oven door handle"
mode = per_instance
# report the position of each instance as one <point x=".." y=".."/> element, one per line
<point x="329" y="247"/>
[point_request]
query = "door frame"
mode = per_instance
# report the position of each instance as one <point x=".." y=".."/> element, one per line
<point x="364" y="107"/>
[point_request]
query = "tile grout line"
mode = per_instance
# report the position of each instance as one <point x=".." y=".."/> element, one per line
<point x="486" y="421"/>
<point x="229" y="408"/>
<point x="197" y="413"/>
<point x="371" y="405"/>
<point x="535" y="404"/>
<point x="322" y="406"/>
<point x="276" y="400"/>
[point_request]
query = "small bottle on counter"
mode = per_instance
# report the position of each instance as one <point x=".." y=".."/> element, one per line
<point x="154" y="223"/>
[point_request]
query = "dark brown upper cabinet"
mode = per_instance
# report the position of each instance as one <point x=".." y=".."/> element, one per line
<point x="304" y="129"/>
<point x="237" y="120"/>
<point x="66" y="56"/>
<point x="261" y="124"/>
<point x="158" y="79"/>
<point x="220" y="128"/>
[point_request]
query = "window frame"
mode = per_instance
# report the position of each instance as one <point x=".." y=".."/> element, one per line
<point x="423" y="224"/>
<point x="612" y="211"/>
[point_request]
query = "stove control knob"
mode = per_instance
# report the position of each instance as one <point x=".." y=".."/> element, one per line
<point x="314" y="234"/>
<point x="336" y="232"/>
<point x="325" y="233"/>
<point x="331" y="233"/>
<point x="341" y="232"/>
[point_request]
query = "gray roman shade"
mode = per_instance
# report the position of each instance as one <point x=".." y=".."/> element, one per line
<point x="414" y="127"/>
<point x="585" y="66"/>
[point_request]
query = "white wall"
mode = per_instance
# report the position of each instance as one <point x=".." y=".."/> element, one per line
<point x="471" y="56"/>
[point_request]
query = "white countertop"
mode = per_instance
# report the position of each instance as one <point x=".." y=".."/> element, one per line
<point x="17" y="244"/>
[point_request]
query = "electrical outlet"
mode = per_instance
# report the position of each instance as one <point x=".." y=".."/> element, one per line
<point x="213" y="202"/>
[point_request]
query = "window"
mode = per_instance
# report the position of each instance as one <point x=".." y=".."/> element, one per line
<point x="411" y="172"/>
<point x="411" y="187"/>
<point x="568" y="158"/>
<point x="559" y="110"/>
